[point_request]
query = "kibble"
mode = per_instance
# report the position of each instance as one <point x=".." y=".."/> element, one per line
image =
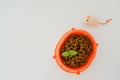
<point x="80" y="43"/>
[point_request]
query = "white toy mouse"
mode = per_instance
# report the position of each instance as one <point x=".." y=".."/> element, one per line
<point x="93" y="21"/>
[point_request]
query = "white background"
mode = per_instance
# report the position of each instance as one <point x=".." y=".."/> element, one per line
<point x="30" y="30"/>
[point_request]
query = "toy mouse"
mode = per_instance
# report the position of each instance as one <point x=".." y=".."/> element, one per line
<point x="93" y="21"/>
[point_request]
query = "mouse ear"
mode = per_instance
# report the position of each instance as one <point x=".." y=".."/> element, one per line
<point x="88" y="16"/>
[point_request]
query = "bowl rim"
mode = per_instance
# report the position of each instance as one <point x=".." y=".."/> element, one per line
<point x="65" y="37"/>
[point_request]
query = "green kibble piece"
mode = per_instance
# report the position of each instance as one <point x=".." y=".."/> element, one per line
<point x="72" y="52"/>
<point x="65" y="54"/>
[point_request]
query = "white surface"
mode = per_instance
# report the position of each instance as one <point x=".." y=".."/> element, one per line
<point x="30" y="30"/>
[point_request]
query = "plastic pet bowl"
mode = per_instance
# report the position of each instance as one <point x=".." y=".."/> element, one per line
<point x="57" y="55"/>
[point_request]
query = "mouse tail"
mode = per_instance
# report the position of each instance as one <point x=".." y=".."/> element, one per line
<point x="107" y="21"/>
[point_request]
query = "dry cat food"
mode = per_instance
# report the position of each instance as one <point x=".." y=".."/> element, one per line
<point x="76" y="50"/>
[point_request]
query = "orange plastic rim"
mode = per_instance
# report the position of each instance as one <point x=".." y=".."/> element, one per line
<point x="65" y="37"/>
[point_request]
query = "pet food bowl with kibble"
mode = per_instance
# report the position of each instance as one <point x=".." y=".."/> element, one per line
<point x="57" y="55"/>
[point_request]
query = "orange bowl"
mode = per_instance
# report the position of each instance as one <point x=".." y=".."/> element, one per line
<point x="57" y="56"/>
